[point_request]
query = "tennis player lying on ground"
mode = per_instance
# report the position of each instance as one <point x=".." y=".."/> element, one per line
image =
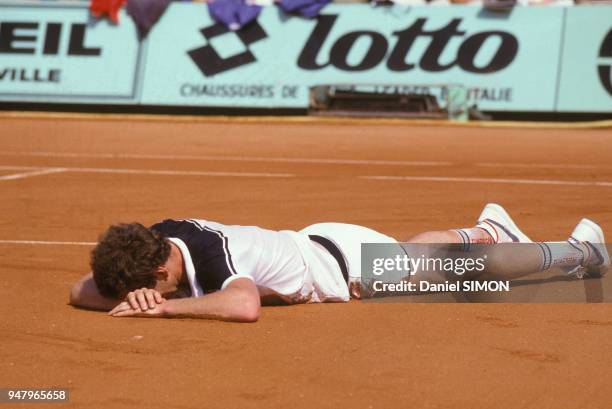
<point x="197" y="268"/>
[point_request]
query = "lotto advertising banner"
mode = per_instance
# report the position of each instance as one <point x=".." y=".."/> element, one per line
<point x="57" y="53"/>
<point x="539" y="59"/>
<point x="507" y="60"/>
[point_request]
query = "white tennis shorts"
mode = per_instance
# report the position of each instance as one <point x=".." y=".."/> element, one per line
<point x="325" y="276"/>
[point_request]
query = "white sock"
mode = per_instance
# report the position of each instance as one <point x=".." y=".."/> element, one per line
<point x="498" y="232"/>
<point x="591" y="256"/>
<point x="473" y="235"/>
<point x="569" y="253"/>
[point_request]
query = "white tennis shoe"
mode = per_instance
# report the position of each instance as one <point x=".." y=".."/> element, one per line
<point x="588" y="235"/>
<point x="497" y="222"/>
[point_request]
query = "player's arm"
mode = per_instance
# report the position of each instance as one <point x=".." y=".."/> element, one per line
<point x="85" y="294"/>
<point x="239" y="301"/>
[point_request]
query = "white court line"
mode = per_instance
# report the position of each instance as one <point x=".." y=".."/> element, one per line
<point x="66" y="243"/>
<point x="32" y="173"/>
<point x="490" y="180"/>
<point x="221" y="158"/>
<point x="267" y="159"/>
<point x="535" y="166"/>
<point x="180" y="172"/>
<point x="40" y="170"/>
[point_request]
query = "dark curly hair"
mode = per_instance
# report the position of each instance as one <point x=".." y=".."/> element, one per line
<point x="126" y="258"/>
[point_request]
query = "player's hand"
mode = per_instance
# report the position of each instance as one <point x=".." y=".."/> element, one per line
<point x="144" y="299"/>
<point x="124" y="309"/>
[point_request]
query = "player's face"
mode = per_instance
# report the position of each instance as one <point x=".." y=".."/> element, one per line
<point x="167" y="283"/>
<point x="164" y="286"/>
<point x="171" y="280"/>
<point x="170" y="292"/>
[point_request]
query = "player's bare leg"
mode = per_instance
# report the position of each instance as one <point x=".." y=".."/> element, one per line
<point x="476" y="235"/>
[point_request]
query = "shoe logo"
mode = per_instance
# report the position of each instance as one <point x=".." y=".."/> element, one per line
<point x="605" y="71"/>
<point x="208" y="59"/>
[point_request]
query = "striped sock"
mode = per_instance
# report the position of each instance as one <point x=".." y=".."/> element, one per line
<point x="498" y="232"/>
<point x="564" y="254"/>
<point x="474" y="235"/>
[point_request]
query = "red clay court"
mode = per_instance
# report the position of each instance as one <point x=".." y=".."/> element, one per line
<point x="66" y="178"/>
